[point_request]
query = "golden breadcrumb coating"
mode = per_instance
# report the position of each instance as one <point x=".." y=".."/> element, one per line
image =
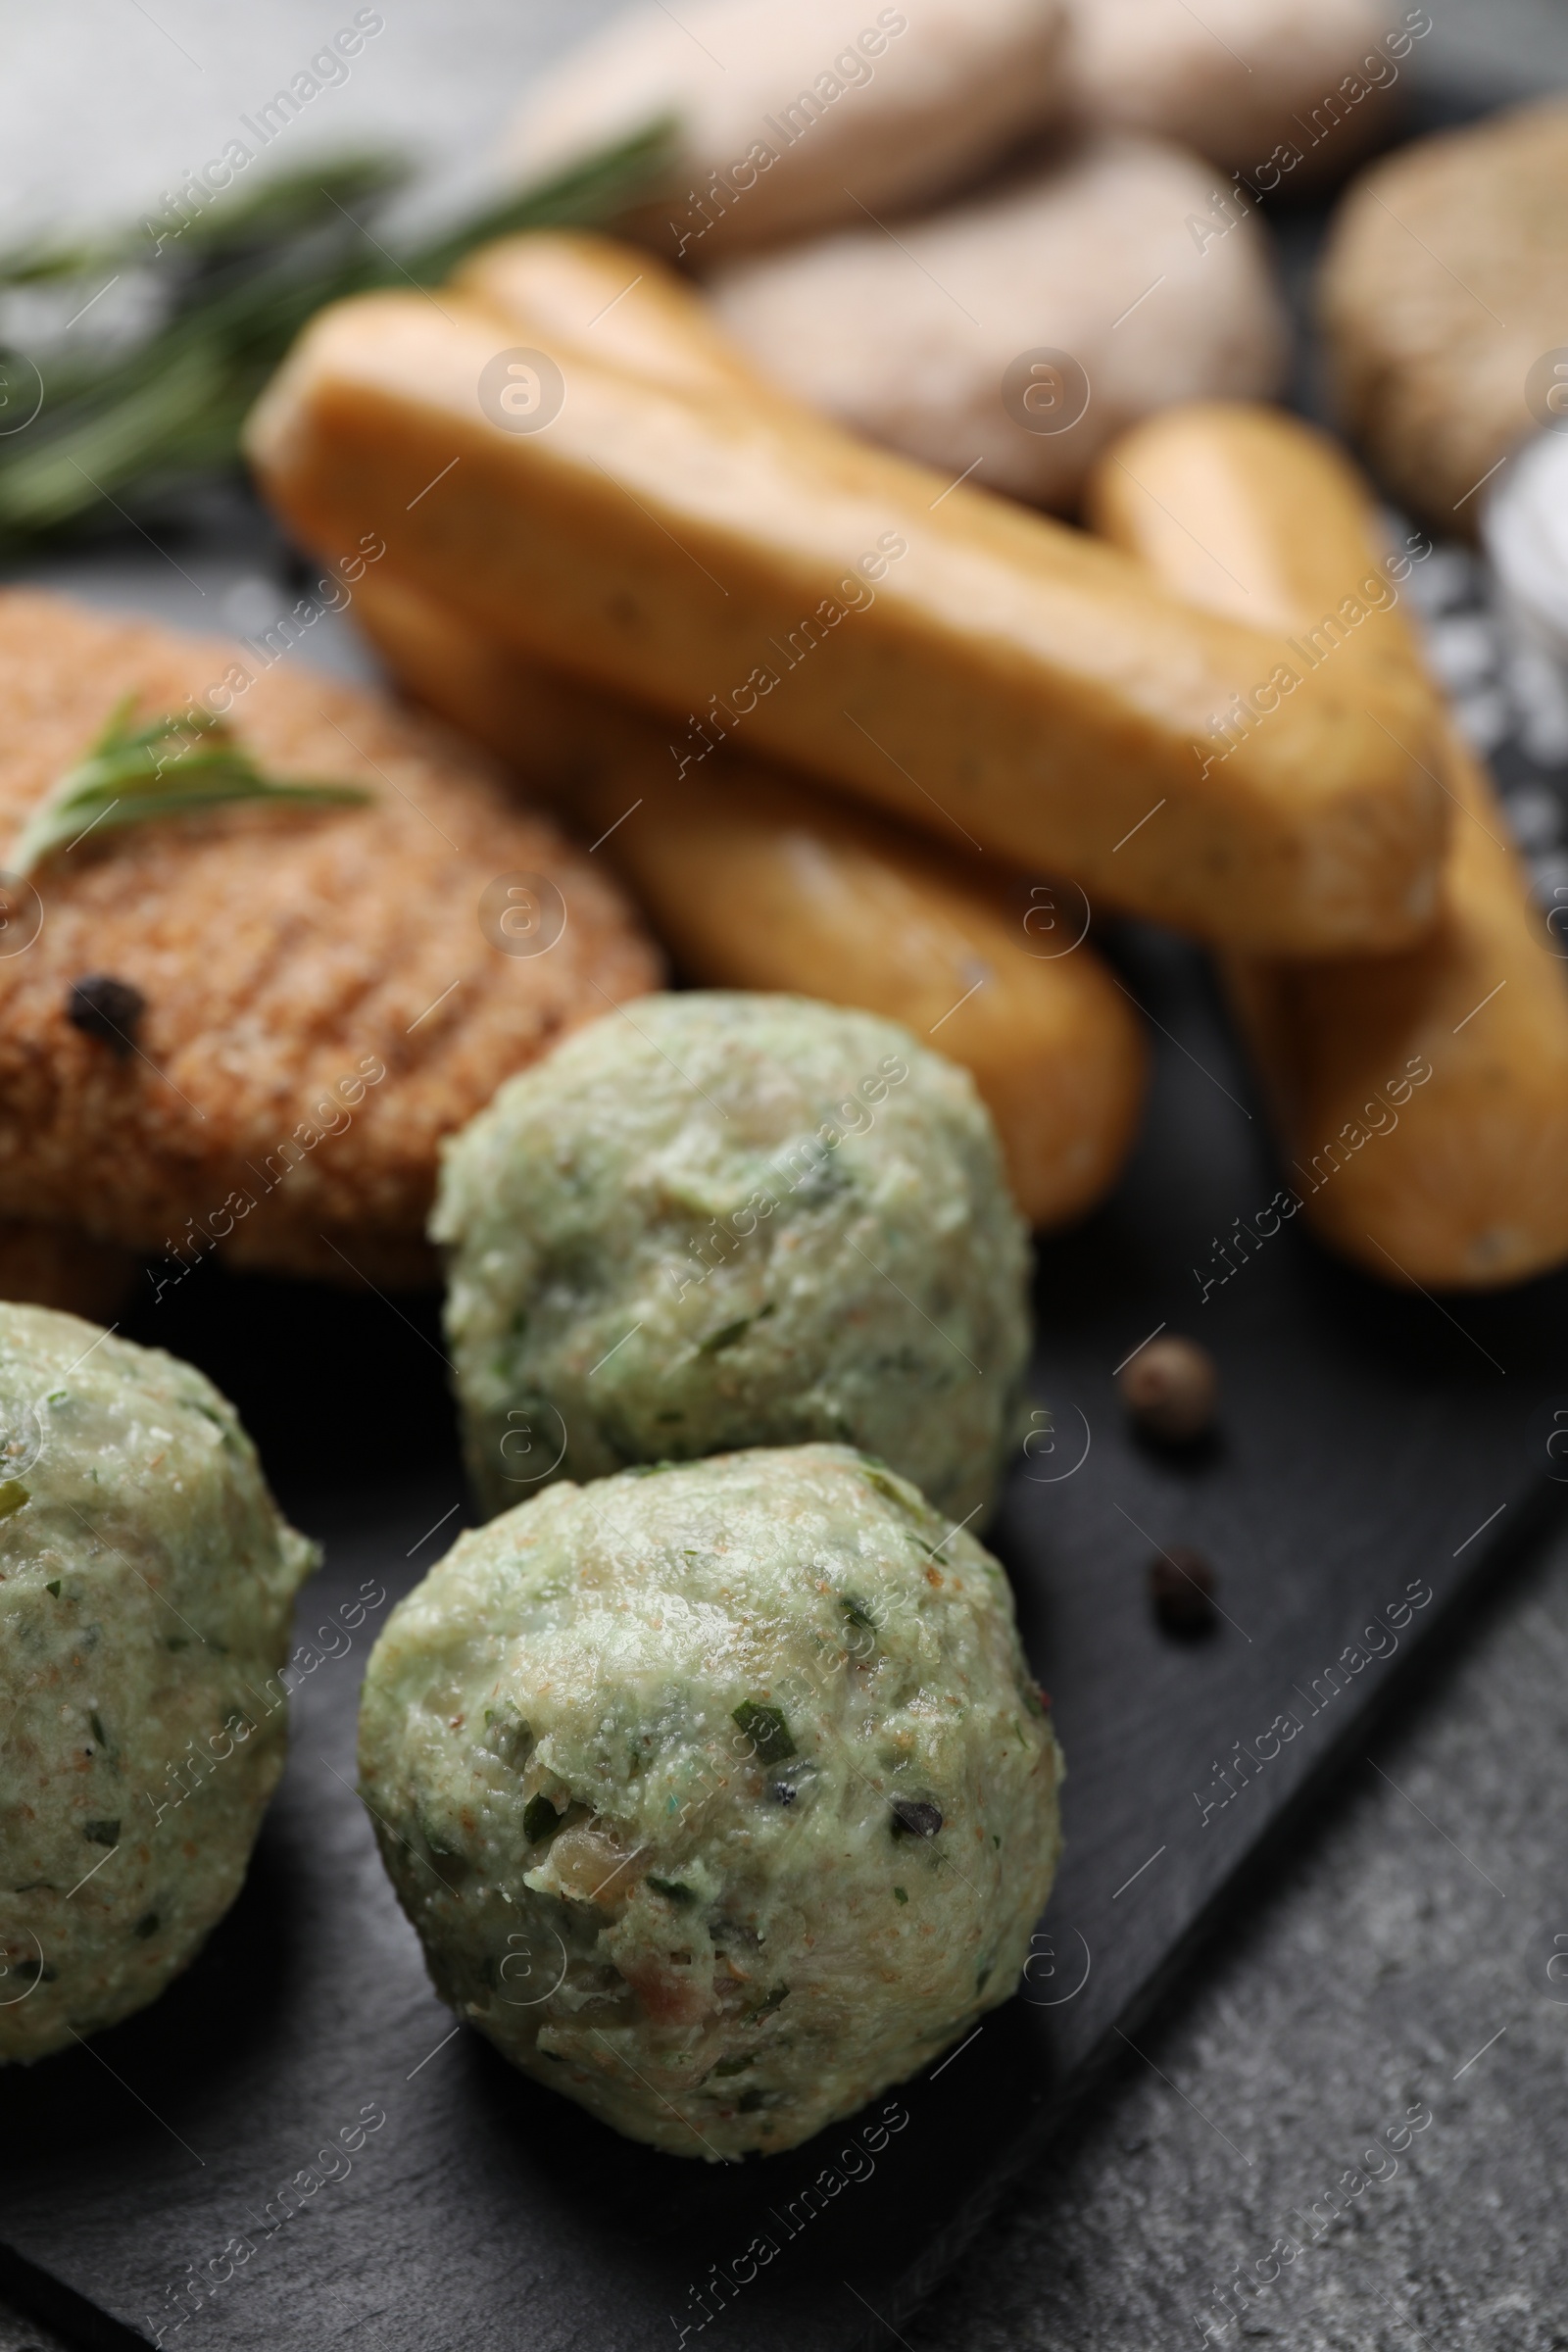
<point x="319" y="1002"/>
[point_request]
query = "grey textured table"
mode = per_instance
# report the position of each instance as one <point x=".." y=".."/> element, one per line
<point x="1401" y="1956"/>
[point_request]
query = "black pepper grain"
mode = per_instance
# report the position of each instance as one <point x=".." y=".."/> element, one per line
<point x="915" y="1817"/>
<point x="107" y="1009"/>
<point x="1181" y="1585"/>
<point x="1170" y="1388"/>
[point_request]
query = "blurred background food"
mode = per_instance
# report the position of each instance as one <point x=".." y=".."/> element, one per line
<point x="1450" y="1061"/>
<point x="1444" y="298"/>
<point x="735" y="565"/>
<point x="906" y="340"/>
<point x="781" y="102"/>
<point x="1249" y="83"/>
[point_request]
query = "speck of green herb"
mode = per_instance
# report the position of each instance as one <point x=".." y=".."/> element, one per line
<point x="898" y="1895"/>
<point x="887" y="1486"/>
<point x="996" y="1842"/>
<point x="857" y="1612"/>
<point x="177" y="1642"/>
<point x="672" y="1890"/>
<point x="38" y="1972"/>
<point x="53" y="1587"/>
<point x="540" y="1819"/>
<point x="101" y="1833"/>
<point x="736" y="2065"/>
<point x="1033" y="1700"/>
<point x="95" y="1721"/>
<point x="983" y="1977"/>
<point x="57" y="1396"/>
<point x="147" y="1924"/>
<point x="766" y="1730"/>
<point x="775" y="2000"/>
<point x="750" y="2100"/>
<point x="730" y="1333"/>
<point x="131" y="776"/>
<point x="12" y="1495"/>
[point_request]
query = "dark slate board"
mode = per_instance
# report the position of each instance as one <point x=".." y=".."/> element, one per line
<point x="1367" y="1437"/>
<point x="1371" y="1443"/>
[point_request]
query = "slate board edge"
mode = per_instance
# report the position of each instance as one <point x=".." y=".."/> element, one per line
<point x="1500" y="1564"/>
<point x="41" y="2296"/>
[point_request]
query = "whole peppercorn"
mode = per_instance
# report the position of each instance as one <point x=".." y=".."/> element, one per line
<point x="107" y="1010"/>
<point x="1181" y="1585"/>
<point x="1170" y="1389"/>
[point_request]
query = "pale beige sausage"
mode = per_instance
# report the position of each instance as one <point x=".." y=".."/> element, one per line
<point x="771" y="584"/>
<point x="1288" y="95"/>
<point x="1440" y="295"/>
<point x="753" y="881"/>
<point x="795" y="114"/>
<point x="917" y="342"/>
<point x="1423" y="1097"/>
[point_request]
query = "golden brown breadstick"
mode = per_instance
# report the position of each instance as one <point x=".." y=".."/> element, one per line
<point x="1423" y="1097"/>
<point x="755" y="881"/>
<point x="570" y="286"/>
<point x="772" y="585"/>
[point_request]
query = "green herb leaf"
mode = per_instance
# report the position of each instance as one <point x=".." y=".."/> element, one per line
<point x="857" y="1612"/>
<point x="131" y="776"/>
<point x="766" y="1730"/>
<point x="101" y="1833"/>
<point x="898" y="1895"/>
<point x="736" y="2065"/>
<point x="53" y="1587"/>
<point x="718" y="1340"/>
<point x="672" y="1890"/>
<point x="147" y="1924"/>
<point x="540" y="1819"/>
<point x="12" y="1495"/>
<point x="130" y="427"/>
<point x="95" y="1721"/>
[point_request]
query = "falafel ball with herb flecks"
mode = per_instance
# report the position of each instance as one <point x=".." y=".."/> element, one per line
<point x="719" y="1794"/>
<point x="717" y="1220"/>
<point x="146" y="1579"/>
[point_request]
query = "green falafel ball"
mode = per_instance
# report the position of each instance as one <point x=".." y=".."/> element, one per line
<point x="716" y="1220"/>
<point x="720" y="1796"/>
<point x="146" y="1579"/>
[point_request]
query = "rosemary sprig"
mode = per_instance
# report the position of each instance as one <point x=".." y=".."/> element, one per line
<point x="140" y="421"/>
<point x="133" y="776"/>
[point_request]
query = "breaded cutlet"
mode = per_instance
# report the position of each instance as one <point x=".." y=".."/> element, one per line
<point x="249" y="1028"/>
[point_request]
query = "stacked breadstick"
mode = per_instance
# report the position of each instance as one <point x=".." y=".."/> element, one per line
<point x="762" y="658"/>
